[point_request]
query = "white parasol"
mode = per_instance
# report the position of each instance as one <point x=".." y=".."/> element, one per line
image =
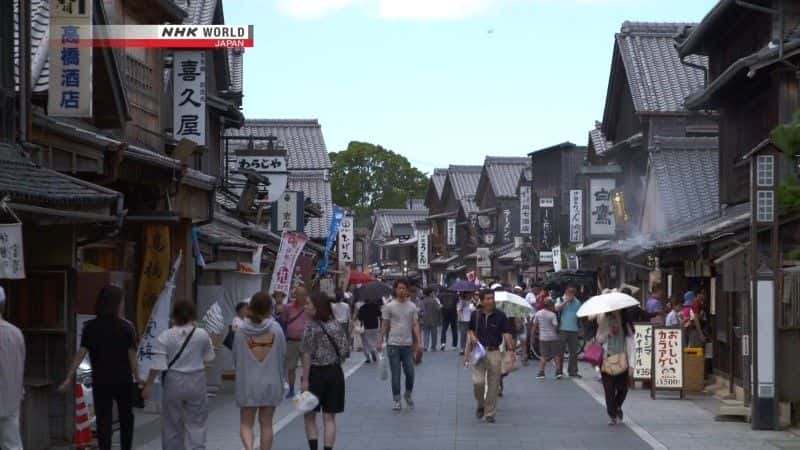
<point x="601" y="304"/>
<point x="512" y="304"/>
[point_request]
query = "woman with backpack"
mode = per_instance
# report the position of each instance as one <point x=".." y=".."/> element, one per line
<point x="181" y="356"/>
<point x="259" y="352"/>
<point x="325" y="347"/>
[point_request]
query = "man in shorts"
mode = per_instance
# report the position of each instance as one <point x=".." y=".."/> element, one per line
<point x="293" y="319"/>
<point x="545" y="322"/>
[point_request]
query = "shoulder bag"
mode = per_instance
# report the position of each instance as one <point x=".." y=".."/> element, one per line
<point x="177" y="355"/>
<point x="340" y="358"/>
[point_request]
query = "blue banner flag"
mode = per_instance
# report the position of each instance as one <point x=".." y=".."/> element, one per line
<point x="333" y="231"/>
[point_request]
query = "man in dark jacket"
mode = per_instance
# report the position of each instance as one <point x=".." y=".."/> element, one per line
<point x="449" y="318"/>
<point x="431" y="319"/>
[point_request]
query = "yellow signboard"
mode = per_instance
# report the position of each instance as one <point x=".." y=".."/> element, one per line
<point x="155" y="271"/>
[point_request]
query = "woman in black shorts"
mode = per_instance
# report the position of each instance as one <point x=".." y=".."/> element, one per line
<point x="325" y="347"/>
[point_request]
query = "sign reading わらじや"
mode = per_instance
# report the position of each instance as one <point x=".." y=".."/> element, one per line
<point x="667" y="358"/>
<point x="292" y="244"/>
<point x="189" y="96"/>
<point x="346" y="240"/>
<point x="642" y="351"/>
<point x="70" y="85"/>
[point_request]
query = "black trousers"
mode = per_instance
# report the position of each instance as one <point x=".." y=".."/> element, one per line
<point x="616" y="389"/>
<point x="451" y="321"/>
<point x="104" y="396"/>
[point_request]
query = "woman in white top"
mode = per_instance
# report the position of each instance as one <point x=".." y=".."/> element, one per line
<point x="341" y="312"/>
<point x="182" y="353"/>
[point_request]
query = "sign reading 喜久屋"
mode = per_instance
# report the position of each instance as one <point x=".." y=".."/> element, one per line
<point x="189" y="96"/>
<point x="70" y="85"/>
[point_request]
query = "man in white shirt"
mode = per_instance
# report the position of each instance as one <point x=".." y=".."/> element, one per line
<point x="12" y="355"/>
<point x="465" y="309"/>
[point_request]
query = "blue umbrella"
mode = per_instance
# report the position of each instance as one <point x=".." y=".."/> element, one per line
<point x="463" y="286"/>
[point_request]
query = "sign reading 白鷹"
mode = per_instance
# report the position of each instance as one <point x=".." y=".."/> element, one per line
<point x="576" y="215"/>
<point x="601" y="212"/>
<point x="189" y="96"/>
<point x="525" y="222"/>
<point x="667" y="365"/>
<point x="642" y="351"/>
<point x="346" y="240"/>
<point x="70" y="86"/>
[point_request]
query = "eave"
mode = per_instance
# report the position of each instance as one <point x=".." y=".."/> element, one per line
<point x="693" y="43"/>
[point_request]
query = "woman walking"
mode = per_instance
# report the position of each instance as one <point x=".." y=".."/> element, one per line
<point x="611" y="333"/>
<point x="181" y="355"/>
<point x="324" y="347"/>
<point x="110" y="342"/>
<point x="370" y="316"/>
<point x="259" y="355"/>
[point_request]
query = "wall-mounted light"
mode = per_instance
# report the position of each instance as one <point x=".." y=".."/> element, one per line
<point x="618" y="202"/>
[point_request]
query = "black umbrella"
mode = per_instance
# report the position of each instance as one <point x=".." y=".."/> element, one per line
<point x="374" y="290"/>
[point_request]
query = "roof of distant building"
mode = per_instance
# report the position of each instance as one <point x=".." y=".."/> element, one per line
<point x="385" y="219"/>
<point x="503" y="174"/>
<point x="302" y="138"/>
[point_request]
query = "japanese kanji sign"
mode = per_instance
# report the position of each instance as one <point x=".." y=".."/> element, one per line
<point x="292" y="244"/>
<point x="12" y="261"/>
<point x="667" y="358"/>
<point x="155" y="270"/>
<point x="451" y="232"/>
<point x="422" y="250"/>
<point x="484" y="260"/>
<point x="642" y="351"/>
<point x="525" y="213"/>
<point x="189" y="96"/>
<point x="507" y="233"/>
<point x="601" y="212"/>
<point x="287" y="212"/>
<point x="556" y="258"/>
<point x="547" y="237"/>
<point x="576" y="215"/>
<point x="270" y="164"/>
<point x="70" y="86"/>
<point x="346" y="240"/>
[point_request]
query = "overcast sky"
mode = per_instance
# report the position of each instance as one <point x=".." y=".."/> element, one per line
<point x="440" y="81"/>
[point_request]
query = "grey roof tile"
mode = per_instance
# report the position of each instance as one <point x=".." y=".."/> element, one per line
<point x="658" y="81"/>
<point x="224" y="232"/>
<point x="23" y="180"/>
<point x="316" y="186"/>
<point x="463" y="180"/>
<point x="40" y="50"/>
<point x="687" y="177"/>
<point x="438" y="177"/>
<point x="384" y="219"/>
<point x="597" y="139"/>
<point x="236" y="67"/>
<point x="302" y="139"/>
<point x="504" y="173"/>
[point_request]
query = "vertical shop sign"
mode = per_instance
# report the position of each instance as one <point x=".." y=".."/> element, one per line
<point x="667" y="359"/>
<point x="576" y="216"/>
<point x="422" y="250"/>
<point x="189" y="96"/>
<point x="346" y="240"/>
<point x="642" y="351"/>
<point x="525" y="222"/>
<point x="451" y="232"/>
<point x="601" y="217"/>
<point x="70" y="85"/>
<point x="155" y="270"/>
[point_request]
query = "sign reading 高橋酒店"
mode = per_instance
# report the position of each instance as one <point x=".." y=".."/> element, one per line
<point x="70" y="86"/>
<point x="189" y="96"/>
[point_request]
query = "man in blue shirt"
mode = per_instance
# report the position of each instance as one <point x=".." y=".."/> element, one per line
<point x="568" y="329"/>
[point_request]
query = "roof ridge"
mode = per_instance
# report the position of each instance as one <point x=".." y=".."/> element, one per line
<point x="506" y="160"/>
<point x="287" y="122"/>
<point x="668" y="29"/>
<point x="464" y="168"/>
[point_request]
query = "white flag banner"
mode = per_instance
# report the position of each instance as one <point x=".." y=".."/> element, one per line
<point x="158" y="323"/>
<point x="292" y="244"/>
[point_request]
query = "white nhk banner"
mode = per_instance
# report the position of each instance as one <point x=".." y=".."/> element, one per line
<point x="70" y="85"/>
<point x="158" y="322"/>
<point x="292" y="244"/>
<point x="422" y="251"/>
<point x="189" y="96"/>
<point x="346" y="240"/>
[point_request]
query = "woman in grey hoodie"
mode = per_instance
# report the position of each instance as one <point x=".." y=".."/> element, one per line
<point x="259" y="351"/>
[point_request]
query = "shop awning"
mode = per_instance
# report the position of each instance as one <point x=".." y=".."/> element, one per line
<point x="399" y="243"/>
<point x="442" y="260"/>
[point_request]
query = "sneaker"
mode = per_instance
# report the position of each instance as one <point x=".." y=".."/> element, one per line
<point x="576" y="375"/>
<point x="620" y="416"/>
<point x="559" y="376"/>
<point x="409" y="402"/>
<point x="489" y="419"/>
<point x="290" y="394"/>
<point x="540" y="376"/>
<point x="612" y="421"/>
<point x="441" y="347"/>
<point x="397" y="406"/>
<point x="479" y="413"/>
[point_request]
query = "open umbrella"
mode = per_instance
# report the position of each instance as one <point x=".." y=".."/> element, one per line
<point x="511" y="304"/>
<point x="463" y="286"/>
<point x="374" y="290"/>
<point x="357" y="277"/>
<point x="601" y="304"/>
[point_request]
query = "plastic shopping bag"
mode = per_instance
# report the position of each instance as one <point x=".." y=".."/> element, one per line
<point x="477" y="355"/>
<point x="383" y="367"/>
<point x="305" y="402"/>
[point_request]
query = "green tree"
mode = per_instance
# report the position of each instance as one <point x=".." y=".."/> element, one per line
<point x="366" y="177"/>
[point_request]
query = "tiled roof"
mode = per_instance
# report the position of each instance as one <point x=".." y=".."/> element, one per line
<point x="464" y="180"/>
<point x="658" y="81"/>
<point x="384" y="219"/>
<point x="302" y="139"/>
<point x="40" y="34"/>
<point x="687" y="177"/>
<point x="226" y="232"/>
<point x="503" y="174"/>
<point x="728" y="219"/>
<point x="236" y="67"/>
<point x="438" y="177"/>
<point x="25" y="181"/>
<point x="597" y="139"/>
<point x="469" y="204"/>
<point x="317" y="187"/>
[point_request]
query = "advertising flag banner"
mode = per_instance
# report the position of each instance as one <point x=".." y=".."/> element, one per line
<point x="155" y="270"/>
<point x="157" y="324"/>
<point x="292" y="244"/>
<point x="333" y="231"/>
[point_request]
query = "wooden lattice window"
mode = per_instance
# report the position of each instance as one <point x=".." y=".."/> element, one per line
<point x="789" y="304"/>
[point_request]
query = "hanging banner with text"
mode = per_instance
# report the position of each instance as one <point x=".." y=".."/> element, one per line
<point x="12" y="258"/>
<point x="422" y="250"/>
<point x="576" y="216"/>
<point x="642" y="351"/>
<point x="451" y="232"/>
<point x="70" y="85"/>
<point x="292" y="244"/>
<point x="189" y="96"/>
<point x="525" y="212"/>
<point x="288" y="212"/>
<point x="346" y="241"/>
<point x="155" y="270"/>
<point x="333" y="232"/>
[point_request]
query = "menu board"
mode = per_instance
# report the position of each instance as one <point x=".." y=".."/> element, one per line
<point x="642" y="351"/>
<point x="667" y="358"/>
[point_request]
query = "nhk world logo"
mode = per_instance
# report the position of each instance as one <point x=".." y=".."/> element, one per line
<point x="166" y="36"/>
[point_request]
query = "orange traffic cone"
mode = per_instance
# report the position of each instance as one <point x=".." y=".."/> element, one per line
<point x="83" y="435"/>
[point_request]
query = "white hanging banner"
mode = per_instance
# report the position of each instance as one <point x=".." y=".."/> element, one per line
<point x="525" y="223"/>
<point x="346" y="240"/>
<point x="70" y="85"/>
<point x="451" y="232"/>
<point x="12" y="261"/>
<point x="642" y="351"/>
<point x="576" y="215"/>
<point x="556" y="259"/>
<point x="292" y="244"/>
<point x="422" y="251"/>
<point x="189" y="96"/>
